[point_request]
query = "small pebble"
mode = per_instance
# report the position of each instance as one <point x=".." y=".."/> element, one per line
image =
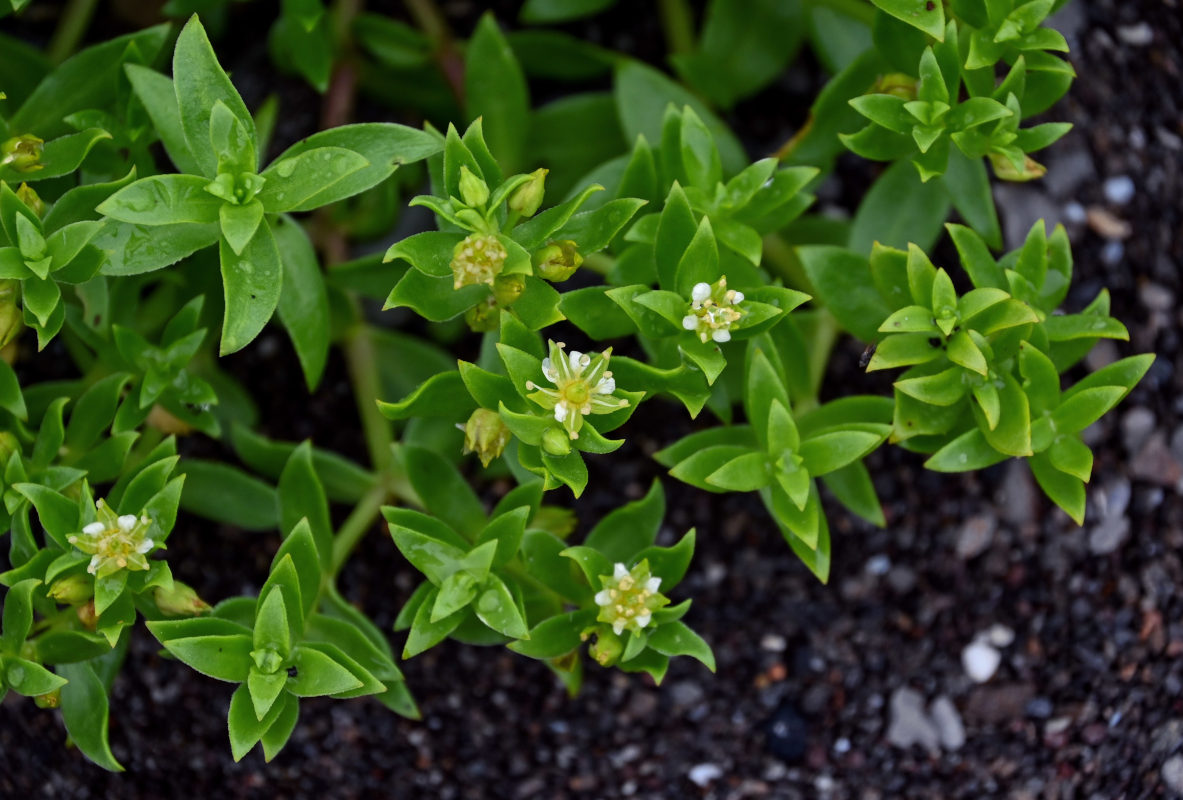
<point x="948" y="721"/>
<point x="704" y="774"/>
<point x="878" y="564"/>
<point x="980" y="660"/>
<point x="1138" y="35"/>
<point x="1112" y="252"/>
<point x="1172" y="774"/>
<point x="773" y="643"/>
<point x="842" y="746"/>
<point x="1074" y="213"/>
<point x="1000" y="636"/>
<point x="908" y="724"/>
<point x="1119" y="190"/>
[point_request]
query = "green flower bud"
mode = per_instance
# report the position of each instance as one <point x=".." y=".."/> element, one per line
<point x="556" y="442"/>
<point x="477" y="259"/>
<point x="87" y="615"/>
<point x="527" y="198"/>
<point x="1006" y="170"/>
<point x="896" y="84"/>
<point x="485" y="434"/>
<point x="51" y="700"/>
<point x="473" y="190"/>
<point x="10" y="314"/>
<point x="484" y="316"/>
<point x="22" y="153"/>
<point x="180" y="601"/>
<point x="607" y="648"/>
<point x="72" y="591"/>
<point x="30" y="198"/>
<point x="507" y="289"/>
<point x="557" y="261"/>
<point x="9" y="444"/>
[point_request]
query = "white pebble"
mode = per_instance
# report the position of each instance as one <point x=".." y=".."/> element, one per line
<point x="878" y="564"/>
<point x="1000" y="636"/>
<point x="980" y="660"/>
<point x="703" y="774"/>
<point x="1119" y="190"/>
<point x="1074" y="212"/>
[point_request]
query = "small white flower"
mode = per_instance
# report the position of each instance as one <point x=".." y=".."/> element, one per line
<point x="561" y="411"/>
<point x="700" y="292"/>
<point x="127" y="522"/>
<point x="713" y="310"/>
<point x="602" y="598"/>
<point x="144" y="546"/>
<point x="548" y="371"/>
<point x="721" y="335"/>
<point x="690" y="322"/>
<point x="92" y="529"/>
<point x="618" y="627"/>
<point x="628" y="597"/>
<point x="619" y="571"/>
<point x="643" y="619"/>
<point x="607" y="385"/>
<point x="653" y="584"/>
<point x="736" y="297"/>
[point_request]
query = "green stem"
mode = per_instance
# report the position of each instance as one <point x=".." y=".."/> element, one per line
<point x="599" y="263"/>
<point x="75" y="20"/>
<point x="678" y="24"/>
<point x="825" y="334"/>
<point x="356" y="525"/>
<point x="783" y="262"/>
<point x="363" y="374"/>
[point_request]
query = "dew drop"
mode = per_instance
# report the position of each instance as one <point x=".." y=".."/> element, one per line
<point x="286" y="167"/>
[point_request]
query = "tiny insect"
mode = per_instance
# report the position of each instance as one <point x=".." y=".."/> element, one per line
<point x="865" y="358"/>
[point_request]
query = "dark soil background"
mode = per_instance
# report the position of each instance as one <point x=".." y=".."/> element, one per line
<point x="853" y="690"/>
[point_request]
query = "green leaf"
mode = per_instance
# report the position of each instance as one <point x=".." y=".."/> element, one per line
<point x="301" y="496"/>
<point x="244" y="727"/>
<point x="303" y="300"/>
<point x="317" y="675"/>
<point x="163" y="200"/>
<point x="496" y="92"/>
<point x="252" y="283"/>
<point x="426" y="634"/>
<point x="293" y="180"/>
<point x="832" y="450"/>
<point x="676" y="639"/>
<point x="239" y="223"/>
<point x="273" y="629"/>
<point x="226" y="494"/>
<point x="85" y="711"/>
<point x="18" y="615"/>
<point x="555" y="636"/>
<point x="224" y="657"/>
<point x="625" y="531"/>
<point x="11" y="398"/>
<point x="29" y="678"/>
<point x="746" y="473"/>
<point x="506" y="529"/>
<point x="496" y="608"/>
<point x="159" y="97"/>
<point x="444" y="492"/>
<point x="1066" y="491"/>
<point x="926" y="16"/>
<point x="200" y="82"/>
<point x="842" y="280"/>
<point x="384" y="145"/>
<point x="132" y="249"/>
<point x="900" y="209"/>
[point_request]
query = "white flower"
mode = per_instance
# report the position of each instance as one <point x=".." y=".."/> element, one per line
<point x="713" y="310"/>
<point x="629" y="597"/>
<point x="583" y="385"/>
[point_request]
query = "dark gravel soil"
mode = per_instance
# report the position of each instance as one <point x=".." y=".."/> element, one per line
<point x="853" y="690"/>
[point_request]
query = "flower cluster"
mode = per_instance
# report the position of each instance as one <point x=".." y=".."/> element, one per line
<point x="713" y="310"/>
<point x="477" y="259"/>
<point x="114" y="542"/>
<point x="629" y="597"/>
<point x="583" y="385"/>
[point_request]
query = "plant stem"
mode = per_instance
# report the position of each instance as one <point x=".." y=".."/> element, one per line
<point x="363" y="374"/>
<point x="782" y="261"/>
<point x="74" y="22"/>
<point x="356" y="525"/>
<point x="678" y="24"/>
<point x="434" y="25"/>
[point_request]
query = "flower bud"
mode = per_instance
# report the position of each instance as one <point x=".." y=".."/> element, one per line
<point x="473" y="190"/>
<point x="507" y="289"/>
<point x="72" y="591"/>
<point x="527" y="198"/>
<point x="30" y="198"/>
<point x="896" y="84"/>
<point x="607" y="648"/>
<point x="22" y="153"/>
<point x="477" y="259"/>
<point x="557" y="261"/>
<point x="1006" y="170"/>
<point x="9" y="444"/>
<point x="51" y="700"/>
<point x="486" y="435"/>
<point x="180" y="601"/>
<point x="87" y="615"/>
<point x="483" y="317"/>
<point x="556" y="442"/>
<point x="10" y="315"/>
